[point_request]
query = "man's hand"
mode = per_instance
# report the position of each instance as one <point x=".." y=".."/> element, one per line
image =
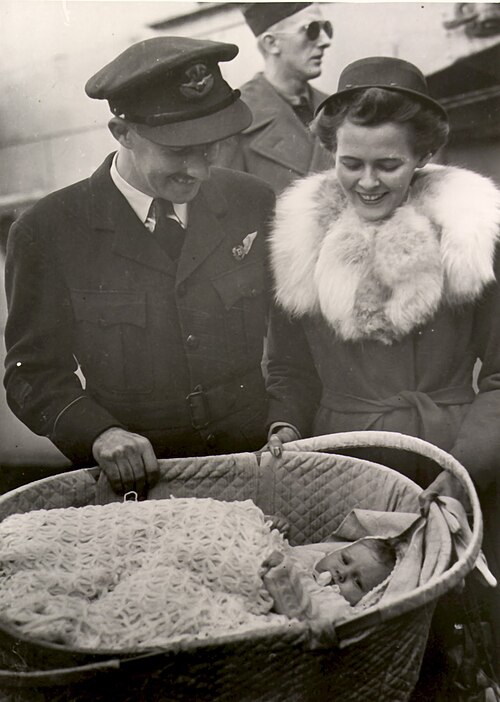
<point x="127" y="459"/>
<point x="444" y="484"/>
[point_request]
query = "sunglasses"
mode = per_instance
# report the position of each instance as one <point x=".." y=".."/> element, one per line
<point x="313" y="29"/>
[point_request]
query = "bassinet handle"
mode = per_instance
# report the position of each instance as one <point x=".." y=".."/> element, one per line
<point x="329" y="443"/>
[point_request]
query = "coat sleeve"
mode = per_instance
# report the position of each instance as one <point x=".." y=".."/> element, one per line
<point x="478" y="444"/>
<point x="293" y="385"/>
<point x="42" y="388"/>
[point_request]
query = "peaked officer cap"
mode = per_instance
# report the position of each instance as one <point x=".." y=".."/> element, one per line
<point x="173" y="90"/>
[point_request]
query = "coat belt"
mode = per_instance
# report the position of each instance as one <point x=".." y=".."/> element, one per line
<point x="427" y="405"/>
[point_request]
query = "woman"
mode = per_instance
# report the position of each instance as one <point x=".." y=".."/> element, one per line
<point x="385" y="280"/>
<point x="387" y="289"/>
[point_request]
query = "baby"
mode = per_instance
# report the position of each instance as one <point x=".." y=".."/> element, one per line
<point x="327" y="579"/>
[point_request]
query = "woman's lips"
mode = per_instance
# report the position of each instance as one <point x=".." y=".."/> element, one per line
<point x="368" y="199"/>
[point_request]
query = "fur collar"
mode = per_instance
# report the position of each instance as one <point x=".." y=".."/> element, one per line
<point x="381" y="280"/>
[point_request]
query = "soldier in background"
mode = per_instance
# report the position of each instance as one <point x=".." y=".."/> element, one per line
<point x="292" y="38"/>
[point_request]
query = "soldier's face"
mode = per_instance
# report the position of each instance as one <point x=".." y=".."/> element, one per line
<point x="172" y="173"/>
<point x="300" y="57"/>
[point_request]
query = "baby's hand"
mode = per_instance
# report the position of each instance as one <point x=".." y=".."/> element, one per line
<point x="278" y="522"/>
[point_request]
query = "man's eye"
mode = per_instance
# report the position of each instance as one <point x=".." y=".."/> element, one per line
<point x="351" y="165"/>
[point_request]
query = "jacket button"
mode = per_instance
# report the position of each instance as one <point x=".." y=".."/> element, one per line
<point x="192" y="342"/>
<point x="181" y="289"/>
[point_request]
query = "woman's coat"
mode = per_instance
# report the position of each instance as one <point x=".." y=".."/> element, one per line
<point x="379" y="325"/>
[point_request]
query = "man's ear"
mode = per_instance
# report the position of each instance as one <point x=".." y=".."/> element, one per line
<point x="270" y="43"/>
<point x="121" y="131"/>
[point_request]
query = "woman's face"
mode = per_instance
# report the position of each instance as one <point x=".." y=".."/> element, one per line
<point x="375" y="166"/>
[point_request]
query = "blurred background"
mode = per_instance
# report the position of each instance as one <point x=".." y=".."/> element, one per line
<point x="51" y="134"/>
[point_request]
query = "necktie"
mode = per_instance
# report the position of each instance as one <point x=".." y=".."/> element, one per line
<point x="168" y="232"/>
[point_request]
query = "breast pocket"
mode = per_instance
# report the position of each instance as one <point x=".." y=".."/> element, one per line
<point x="113" y="346"/>
<point x="242" y="291"/>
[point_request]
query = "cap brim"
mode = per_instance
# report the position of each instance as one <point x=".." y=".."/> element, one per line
<point x="337" y="97"/>
<point x="203" y="130"/>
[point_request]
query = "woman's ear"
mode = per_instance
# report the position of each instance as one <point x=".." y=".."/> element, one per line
<point x="121" y="131"/>
<point x="424" y="160"/>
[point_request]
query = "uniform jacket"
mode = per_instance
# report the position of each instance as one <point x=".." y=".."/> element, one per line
<point x="276" y="147"/>
<point x="87" y="283"/>
<point x="378" y="326"/>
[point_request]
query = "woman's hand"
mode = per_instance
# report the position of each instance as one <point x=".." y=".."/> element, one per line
<point x="444" y="484"/>
<point x="280" y="437"/>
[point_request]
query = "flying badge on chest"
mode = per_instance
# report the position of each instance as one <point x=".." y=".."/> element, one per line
<point x="240" y="251"/>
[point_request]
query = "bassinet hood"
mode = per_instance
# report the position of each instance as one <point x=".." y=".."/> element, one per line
<point x="380" y="280"/>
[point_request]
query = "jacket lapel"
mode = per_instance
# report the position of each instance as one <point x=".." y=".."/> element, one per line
<point x="205" y="230"/>
<point x="111" y="212"/>
<point x="281" y="136"/>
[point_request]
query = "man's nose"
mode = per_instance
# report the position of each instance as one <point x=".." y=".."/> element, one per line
<point x="324" y="40"/>
<point x="197" y="165"/>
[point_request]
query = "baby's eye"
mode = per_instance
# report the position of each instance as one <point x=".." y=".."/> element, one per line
<point x="358" y="583"/>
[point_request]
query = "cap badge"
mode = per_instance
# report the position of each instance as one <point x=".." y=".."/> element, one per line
<point x="199" y="82"/>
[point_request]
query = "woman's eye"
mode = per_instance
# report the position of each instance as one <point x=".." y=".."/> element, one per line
<point x="388" y="168"/>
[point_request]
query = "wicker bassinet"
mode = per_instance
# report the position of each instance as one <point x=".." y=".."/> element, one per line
<point x="375" y="656"/>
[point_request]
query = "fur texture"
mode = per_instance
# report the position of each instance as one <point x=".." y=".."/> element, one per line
<point x="381" y="280"/>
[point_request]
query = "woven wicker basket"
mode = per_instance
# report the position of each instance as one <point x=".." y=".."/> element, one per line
<point x="374" y="656"/>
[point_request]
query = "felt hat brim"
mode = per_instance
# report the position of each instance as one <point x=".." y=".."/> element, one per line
<point x="340" y="96"/>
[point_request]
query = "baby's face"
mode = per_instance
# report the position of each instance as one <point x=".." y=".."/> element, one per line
<point x="355" y="569"/>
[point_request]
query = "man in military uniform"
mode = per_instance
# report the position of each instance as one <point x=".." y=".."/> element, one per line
<point x="278" y="147"/>
<point x="149" y="275"/>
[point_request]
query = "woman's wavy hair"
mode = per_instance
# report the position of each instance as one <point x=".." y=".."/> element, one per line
<point x="374" y="106"/>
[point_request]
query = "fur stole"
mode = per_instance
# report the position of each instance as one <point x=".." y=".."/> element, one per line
<point x="381" y="280"/>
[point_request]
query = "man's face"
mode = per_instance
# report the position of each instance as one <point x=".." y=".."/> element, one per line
<point x="168" y="172"/>
<point x="301" y="58"/>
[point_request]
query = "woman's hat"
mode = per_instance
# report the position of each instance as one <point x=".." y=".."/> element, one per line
<point x="383" y="72"/>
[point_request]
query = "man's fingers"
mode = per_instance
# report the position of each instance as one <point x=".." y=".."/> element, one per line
<point x="151" y="465"/>
<point x="113" y="474"/>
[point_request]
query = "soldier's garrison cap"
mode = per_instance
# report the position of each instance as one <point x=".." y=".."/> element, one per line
<point x="261" y="15"/>
<point x="172" y="89"/>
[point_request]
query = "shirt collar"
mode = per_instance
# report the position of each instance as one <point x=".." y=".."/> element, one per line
<point x="139" y="201"/>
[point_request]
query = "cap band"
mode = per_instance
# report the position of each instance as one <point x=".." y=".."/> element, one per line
<point x="161" y="118"/>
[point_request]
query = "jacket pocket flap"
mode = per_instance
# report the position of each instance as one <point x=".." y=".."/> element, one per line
<point x="107" y="307"/>
<point x="245" y="281"/>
